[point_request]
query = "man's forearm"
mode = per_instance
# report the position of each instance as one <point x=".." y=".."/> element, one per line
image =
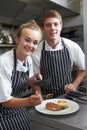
<point x="79" y="77"/>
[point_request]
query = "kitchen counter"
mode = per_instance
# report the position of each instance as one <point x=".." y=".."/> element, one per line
<point x="74" y="121"/>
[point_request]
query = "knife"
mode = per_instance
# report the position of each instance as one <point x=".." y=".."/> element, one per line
<point x="76" y="99"/>
<point x="83" y="98"/>
<point x="82" y="93"/>
<point x="77" y="94"/>
<point x="82" y="88"/>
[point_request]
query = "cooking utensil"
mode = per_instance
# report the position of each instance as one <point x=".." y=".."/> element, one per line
<point x="74" y="94"/>
<point x="83" y="98"/>
<point x="77" y="94"/>
<point x="83" y="88"/>
<point x="2" y="38"/>
<point x="9" y="39"/>
<point x="41" y="83"/>
<point x="82" y="93"/>
<point x="76" y="99"/>
<point x="27" y="93"/>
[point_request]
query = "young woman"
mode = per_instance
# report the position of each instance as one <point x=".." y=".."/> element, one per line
<point x="16" y="74"/>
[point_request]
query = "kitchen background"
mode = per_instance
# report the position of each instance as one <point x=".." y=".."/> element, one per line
<point x="15" y="12"/>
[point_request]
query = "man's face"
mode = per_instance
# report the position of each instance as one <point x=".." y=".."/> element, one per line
<point x="52" y="28"/>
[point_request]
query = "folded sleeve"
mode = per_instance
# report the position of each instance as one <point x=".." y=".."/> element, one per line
<point x="5" y="87"/>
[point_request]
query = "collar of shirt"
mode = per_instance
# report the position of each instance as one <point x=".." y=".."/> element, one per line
<point x="21" y="67"/>
<point x="59" y="46"/>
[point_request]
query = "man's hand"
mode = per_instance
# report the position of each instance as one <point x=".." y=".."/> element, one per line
<point x="70" y="87"/>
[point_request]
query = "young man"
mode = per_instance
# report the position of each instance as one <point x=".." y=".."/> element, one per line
<point x="56" y="56"/>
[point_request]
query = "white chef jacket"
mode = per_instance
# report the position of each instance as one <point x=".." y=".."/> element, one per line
<point x="6" y="67"/>
<point x="77" y="56"/>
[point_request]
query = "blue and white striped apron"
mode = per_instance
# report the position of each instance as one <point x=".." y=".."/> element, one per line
<point x="56" y="65"/>
<point x="15" y="118"/>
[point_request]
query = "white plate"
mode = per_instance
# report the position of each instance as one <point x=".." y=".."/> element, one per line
<point x="72" y="107"/>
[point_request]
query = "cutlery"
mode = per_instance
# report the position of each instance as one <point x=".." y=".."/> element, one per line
<point x="82" y="93"/>
<point x="76" y="99"/>
<point x="77" y="94"/>
<point x="83" y="98"/>
<point x="82" y="88"/>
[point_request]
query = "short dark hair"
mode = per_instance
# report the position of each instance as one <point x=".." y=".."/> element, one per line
<point x="50" y="14"/>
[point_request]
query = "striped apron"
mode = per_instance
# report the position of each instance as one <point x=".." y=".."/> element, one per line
<point x="55" y="65"/>
<point x="15" y="118"/>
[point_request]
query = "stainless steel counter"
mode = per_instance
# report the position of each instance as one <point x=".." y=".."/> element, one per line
<point x="74" y="121"/>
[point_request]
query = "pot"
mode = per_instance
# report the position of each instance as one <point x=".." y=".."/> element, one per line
<point x="2" y="38"/>
<point x="9" y="39"/>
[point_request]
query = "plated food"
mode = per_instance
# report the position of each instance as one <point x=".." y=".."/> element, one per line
<point x="72" y="107"/>
<point x="63" y="104"/>
<point x="59" y="105"/>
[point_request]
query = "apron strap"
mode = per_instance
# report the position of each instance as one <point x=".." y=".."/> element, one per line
<point x="15" y="59"/>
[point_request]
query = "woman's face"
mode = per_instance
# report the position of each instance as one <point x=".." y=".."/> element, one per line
<point x="28" y="41"/>
<point x="52" y="28"/>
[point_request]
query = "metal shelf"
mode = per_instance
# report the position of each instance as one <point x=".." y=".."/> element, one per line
<point x="7" y="45"/>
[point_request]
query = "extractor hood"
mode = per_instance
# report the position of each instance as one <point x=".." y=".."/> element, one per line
<point x="18" y="11"/>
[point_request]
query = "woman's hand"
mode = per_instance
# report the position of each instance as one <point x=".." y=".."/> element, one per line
<point x="35" y="99"/>
<point x="36" y="89"/>
<point x="34" y="78"/>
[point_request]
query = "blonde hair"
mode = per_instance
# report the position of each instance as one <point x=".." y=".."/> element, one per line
<point x="31" y="24"/>
<point x="50" y="14"/>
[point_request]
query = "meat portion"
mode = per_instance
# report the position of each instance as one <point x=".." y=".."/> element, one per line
<point x="53" y="106"/>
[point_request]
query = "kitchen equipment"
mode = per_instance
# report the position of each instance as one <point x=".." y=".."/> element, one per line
<point x="41" y="83"/>
<point x="2" y="38"/>
<point x="9" y="39"/>
<point x="83" y="88"/>
<point x="76" y="99"/>
<point x="77" y="94"/>
<point x="83" y="98"/>
<point x="27" y="93"/>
